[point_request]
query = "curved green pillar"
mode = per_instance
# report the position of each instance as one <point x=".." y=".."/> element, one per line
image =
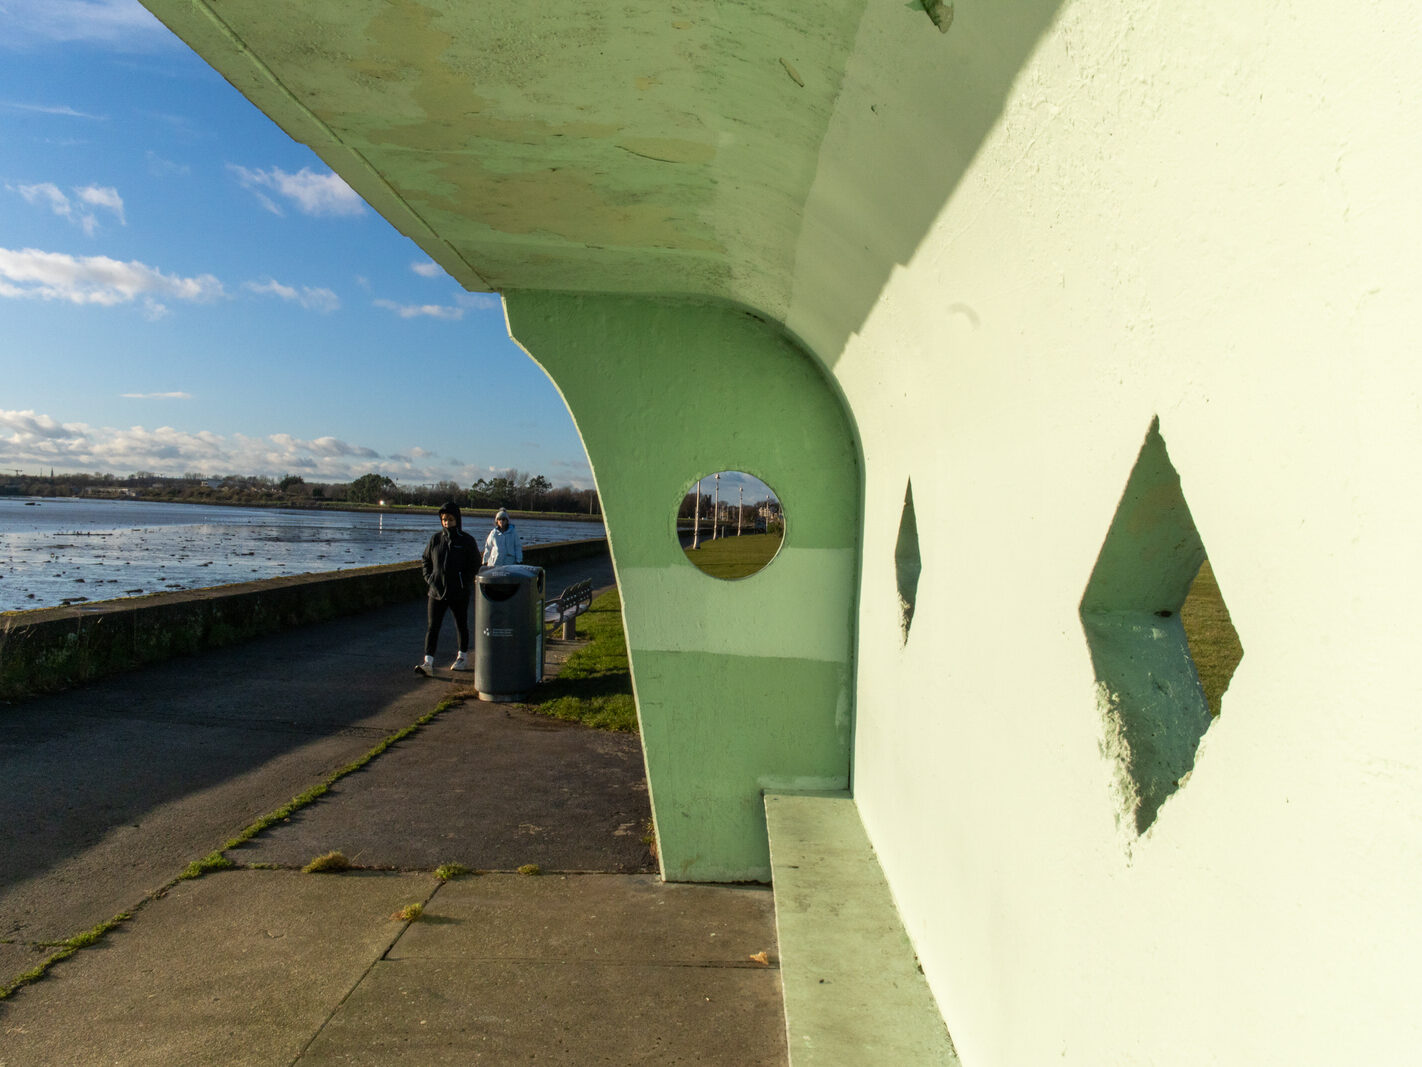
<point x="741" y="686"/>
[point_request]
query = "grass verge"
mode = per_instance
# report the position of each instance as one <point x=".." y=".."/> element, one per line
<point x="595" y="685"/>
<point x="735" y="557"/>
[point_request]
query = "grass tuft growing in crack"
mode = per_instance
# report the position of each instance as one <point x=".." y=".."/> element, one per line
<point x="331" y="861"/>
<point x="446" y="871"/>
<point x="215" y="861"/>
<point x="66" y="949"/>
<point x="296" y="803"/>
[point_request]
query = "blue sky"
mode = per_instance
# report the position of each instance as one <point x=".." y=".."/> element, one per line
<point x="185" y="288"/>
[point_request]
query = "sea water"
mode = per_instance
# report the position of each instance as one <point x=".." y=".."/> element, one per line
<point x="60" y="550"/>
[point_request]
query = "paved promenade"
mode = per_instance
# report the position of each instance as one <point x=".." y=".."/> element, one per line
<point x="109" y="791"/>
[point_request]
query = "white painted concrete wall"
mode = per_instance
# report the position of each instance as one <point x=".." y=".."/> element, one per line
<point x="1210" y="213"/>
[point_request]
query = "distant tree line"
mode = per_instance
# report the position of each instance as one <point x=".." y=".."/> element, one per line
<point x="513" y="489"/>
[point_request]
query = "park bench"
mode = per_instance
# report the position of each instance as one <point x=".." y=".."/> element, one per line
<point x="852" y="985"/>
<point x="566" y="608"/>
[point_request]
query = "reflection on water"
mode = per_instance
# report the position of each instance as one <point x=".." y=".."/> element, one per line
<point x="54" y="551"/>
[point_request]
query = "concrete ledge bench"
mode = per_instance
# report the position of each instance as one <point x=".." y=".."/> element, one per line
<point x="570" y="603"/>
<point x="853" y="989"/>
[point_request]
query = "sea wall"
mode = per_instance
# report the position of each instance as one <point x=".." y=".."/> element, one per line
<point x="50" y="649"/>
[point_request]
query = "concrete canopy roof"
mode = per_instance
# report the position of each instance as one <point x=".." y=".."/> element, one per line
<point x="649" y="147"/>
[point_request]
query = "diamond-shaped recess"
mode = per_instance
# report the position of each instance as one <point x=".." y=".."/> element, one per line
<point x="1153" y="707"/>
<point x="906" y="563"/>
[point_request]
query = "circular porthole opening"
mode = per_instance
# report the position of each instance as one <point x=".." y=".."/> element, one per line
<point x="730" y="525"/>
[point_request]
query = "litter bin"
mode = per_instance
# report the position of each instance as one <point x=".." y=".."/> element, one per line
<point x="508" y="631"/>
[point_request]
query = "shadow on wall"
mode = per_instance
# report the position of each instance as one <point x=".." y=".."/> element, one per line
<point x="919" y="98"/>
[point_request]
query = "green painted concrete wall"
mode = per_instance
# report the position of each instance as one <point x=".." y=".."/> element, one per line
<point x="741" y="686"/>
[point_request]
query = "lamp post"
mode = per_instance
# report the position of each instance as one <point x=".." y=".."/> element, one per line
<point x="696" y="513"/>
<point x="716" y="510"/>
<point x="740" y="506"/>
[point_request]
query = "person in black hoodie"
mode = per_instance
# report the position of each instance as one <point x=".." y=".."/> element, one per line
<point x="449" y="563"/>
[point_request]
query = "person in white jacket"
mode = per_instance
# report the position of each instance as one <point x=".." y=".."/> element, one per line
<point x="502" y="545"/>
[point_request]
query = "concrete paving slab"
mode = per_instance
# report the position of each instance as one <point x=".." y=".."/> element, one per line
<point x="490" y="786"/>
<point x="109" y="790"/>
<point x="113" y="788"/>
<point x="78" y="880"/>
<point x="20" y="956"/>
<point x="235" y="967"/>
<point x="594" y="917"/>
<point x="505" y="1012"/>
<point x="574" y="969"/>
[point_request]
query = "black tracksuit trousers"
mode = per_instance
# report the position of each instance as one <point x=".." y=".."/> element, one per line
<point x="459" y="608"/>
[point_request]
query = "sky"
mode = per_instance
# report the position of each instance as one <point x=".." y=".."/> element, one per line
<point x="184" y="288"/>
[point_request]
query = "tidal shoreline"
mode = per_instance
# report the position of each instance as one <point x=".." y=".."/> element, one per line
<point x="49" y="649"/>
<point x="71" y="550"/>
<point x="321" y="505"/>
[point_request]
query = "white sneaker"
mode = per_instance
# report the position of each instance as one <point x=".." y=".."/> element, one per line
<point x="425" y="667"/>
<point x="461" y="663"/>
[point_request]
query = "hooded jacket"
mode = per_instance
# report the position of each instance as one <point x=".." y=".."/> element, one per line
<point x="450" y="560"/>
<point x="502" y="546"/>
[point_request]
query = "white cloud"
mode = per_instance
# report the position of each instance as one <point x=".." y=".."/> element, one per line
<point x="103" y="196"/>
<point x="156" y="396"/>
<point x="268" y="203"/>
<point x="49" y="195"/>
<point x="51" y="109"/>
<point x="165" y="168"/>
<point x="46" y="193"/>
<point x="410" y="311"/>
<point x="124" y="24"/>
<point x="325" y="447"/>
<point x="480" y="301"/>
<point x="312" y="299"/>
<point x="28" y="438"/>
<point x="97" y="280"/>
<point x="309" y="192"/>
<point x="427" y="268"/>
<point x="28" y="424"/>
<point x="334" y="446"/>
<point x="181" y="128"/>
<point x="574" y="472"/>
